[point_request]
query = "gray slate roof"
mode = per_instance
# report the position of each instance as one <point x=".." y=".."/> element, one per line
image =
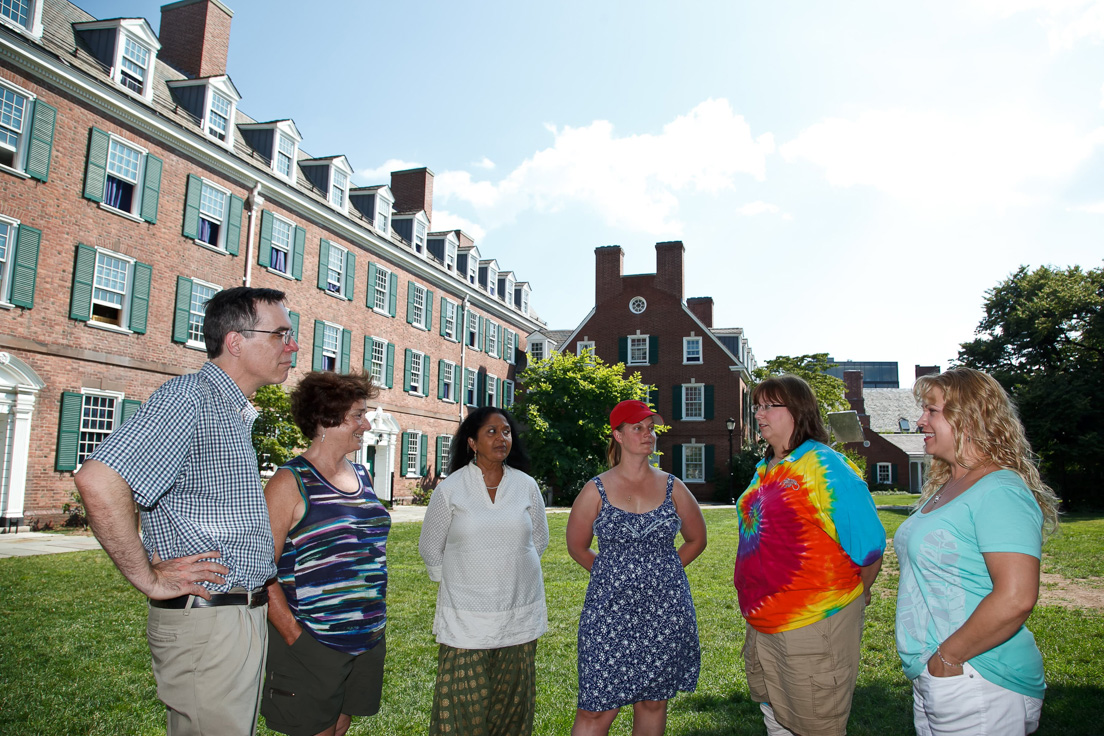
<point x="887" y="406"/>
<point x="912" y="444"/>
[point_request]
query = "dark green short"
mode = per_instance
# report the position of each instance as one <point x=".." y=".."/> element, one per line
<point x="308" y="685"/>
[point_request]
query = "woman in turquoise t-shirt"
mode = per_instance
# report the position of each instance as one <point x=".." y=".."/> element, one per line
<point x="969" y="559"/>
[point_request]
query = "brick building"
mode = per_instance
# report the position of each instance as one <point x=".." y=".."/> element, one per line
<point x="643" y="321"/>
<point x="132" y="187"/>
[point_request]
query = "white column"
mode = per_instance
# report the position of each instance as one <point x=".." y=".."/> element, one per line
<point x="20" y="427"/>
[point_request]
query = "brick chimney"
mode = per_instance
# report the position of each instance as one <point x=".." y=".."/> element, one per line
<point x="609" y="264"/>
<point x="413" y="190"/>
<point x="927" y="370"/>
<point x="702" y="307"/>
<point x="853" y="383"/>
<point x="669" y="267"/>
<point x="195" y="37"/>
<point x="464" y="238"/>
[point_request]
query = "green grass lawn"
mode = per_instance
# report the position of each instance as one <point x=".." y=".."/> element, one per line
<point x="73" y="655"/>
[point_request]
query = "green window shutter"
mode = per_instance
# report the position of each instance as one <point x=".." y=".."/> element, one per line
<point x="294" y="317"/>
<point x="423" y="470"/>
<point x="368" y="354"/>
<point x="409" y="359"/>
<point x="405" y="454"/>
<point x="410" y="302"/>
<point x="68" y="431"/>
<point x="710" y="460"/>
<point x="440" y="379"/>
<point x="708" y="401"/>
<point x="653" y="349"/>
<point x="348" y="279"/>
<point x="370" y="291"/>
<point x="444" y="308"/>
<point x="233" y="224"/>
<point x="442" y="461"/>
<point x="183" y="310"/>
<point x="893" y="473"/>
<point x="481" y="343"/>
<point x="390" y="376"/>
<point x="427" y="374"/>
<point x="346" y="348"/>
<point x="130" y="406"/>
<point x="42" y="141"/>
<point x="297" y="257"/>
<point x="191" y="208"/>
<point x="676" y="461"/>
<point x="676" y="402"/>
<point x="502" y="341"/>
<point x="25" y="266"/>
<point x="139" y="297"/>
<point x="323" y="262"/>
<point x="393" y="294"/>
<point x="468" y="372"/>
<point x="428" y="309"/>
<point x="481" y="389"/>
<point x="95" y="170"/>
<point x="500" y="392"/>
<point x="319" y="332"/>
<point x="151" y="188"/>
<point x="622" y="350"/>
<point x="84" y="271"/>
<point x="264" y="245"/>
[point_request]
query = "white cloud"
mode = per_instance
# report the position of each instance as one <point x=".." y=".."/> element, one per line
<point x="1096" y="208"/>
<point x="1067" y="22"/>
<point x="382" y="173"/>
<point x="484" y="163"/>
<point x="930" y="158"/>
<point x="444" y="220"/>
<point x="633" y="181"/>
<point x="761" y="208"/>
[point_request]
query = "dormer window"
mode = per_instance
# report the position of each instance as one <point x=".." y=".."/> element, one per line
<point x="383" y="215"/>
<point x="450" y="254"/>
<point x="127" y="47"/>
<point x="339" y="188"/>
<point x="330" y="176"/>
<point x="413" y="228"/>
<point x="419" y="237"/>
<point x="488" y="276"/>
<point x="276" y="143"/>
<point x="212" y="100"/>
<point x="218" y="116"/>
<point x="285" y="155"/>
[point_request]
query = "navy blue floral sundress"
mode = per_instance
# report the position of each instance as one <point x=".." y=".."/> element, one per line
<point x="638" y="633"/>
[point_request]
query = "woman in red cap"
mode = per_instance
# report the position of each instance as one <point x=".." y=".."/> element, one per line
<point x="638" y="633"/>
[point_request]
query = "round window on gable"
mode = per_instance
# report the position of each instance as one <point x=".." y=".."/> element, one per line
<point x="638" y="305"/>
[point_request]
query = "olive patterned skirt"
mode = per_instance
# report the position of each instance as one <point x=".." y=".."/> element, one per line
<point x="485" y="692"/>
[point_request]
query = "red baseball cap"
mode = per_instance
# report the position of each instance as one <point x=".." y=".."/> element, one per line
<point x="631" y="412"/>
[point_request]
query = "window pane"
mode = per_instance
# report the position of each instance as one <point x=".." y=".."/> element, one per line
<point x="201" y="293"/>
<point x="16" y="10"/>
<point x="5" y="236"/>
<point x="123" y="162"/>
<point x="97" y="421"/>
<point x="218" y="119"/>
<point x="694" y="461"/>
<point x="383" y="281"/>
<point x="12" y="110"/>
<point x="638" y="349"/>
<point x="419" y="305"/>
<point x="285" y="152"/>
<point x="330" y="337"/>
<point x="334" y="267"/>
<point x="693" y="402"/>
<point x="109" y="286"/>
<point x="134" y="63"/>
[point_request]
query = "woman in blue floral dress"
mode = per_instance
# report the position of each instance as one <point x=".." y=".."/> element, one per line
<point x="638" y="633"/>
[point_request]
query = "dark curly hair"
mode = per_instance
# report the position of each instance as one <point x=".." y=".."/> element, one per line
<point x="462" y="454"/>
<point x="323" y="398"/>
<point x="797" y="395"/>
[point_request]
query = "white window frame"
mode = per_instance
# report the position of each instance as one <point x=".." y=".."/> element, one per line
<point x="413" y="452"/>
<point x="137" y="184"/>
<point x="339" y="193"/>
<point x="118" y="70"/>
<point x="451" y="384"/>
<point x="378" y="368"/>
<point x="584" y="345"/>
<point x="196" y="313"/>
<point x="510" y="346"/>
<point x="451" y="248"/>
<point x="507" y="393"/>
<point x="473" y="270"/>
<point x="687" y="464"/>
<point x="84" y="452"/>
<point x="420" y="231"/>
<point x="635" y="341"/>
<point x="278" y="155"/>
<point x="491" y="387"/>
<point x="525" y="302"/>
<point x="508" y="294"/>
<point x="421" y="293"/>
<point x="686" y="343"/>
<point x="492" y="280"/>
<point x="383" y="295"/>
<point x="471" y="331"/>
<point x="446" y="453"/>
<point x="687" y="390"/>
<point x="33" y="26"/>
<point x="288" y="250"/>
<point x="471" y="388"/>
<point x="18" y="152"/>
<point x="8" y="253"/>
<point x="887" y="469"/>
<point x="220" y="239"/>
<point x="451" y="312"/>
<point x="339" y="252"/>
<point x="383" y="215"/>
<point x="419" y="367"/>
<point x="536" y="349"/>
<point x="490" y="330"/>
<point x="95" y="320"/>
<point x="334" y="353"/>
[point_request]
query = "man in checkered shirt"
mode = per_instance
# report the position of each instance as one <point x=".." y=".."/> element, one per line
<point x="205" y="552"/>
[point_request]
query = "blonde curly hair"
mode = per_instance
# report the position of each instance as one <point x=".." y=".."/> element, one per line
<point x="982" y="413"/>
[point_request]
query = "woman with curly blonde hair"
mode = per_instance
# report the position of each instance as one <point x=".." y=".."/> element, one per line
<point x="969" y="558"/>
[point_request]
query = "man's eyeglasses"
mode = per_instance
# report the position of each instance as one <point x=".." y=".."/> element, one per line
<point x="286" y="335"/>
<point x="756" y="408"/>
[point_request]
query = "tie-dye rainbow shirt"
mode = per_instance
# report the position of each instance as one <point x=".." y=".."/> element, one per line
<point x="806" y="527"/>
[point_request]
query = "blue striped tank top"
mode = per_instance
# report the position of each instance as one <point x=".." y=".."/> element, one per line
<point x="333" y="569"/>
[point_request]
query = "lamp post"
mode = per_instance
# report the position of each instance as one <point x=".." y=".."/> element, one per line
<point x="730" y="425"/>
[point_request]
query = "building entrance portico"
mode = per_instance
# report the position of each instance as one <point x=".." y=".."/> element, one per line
<point x="19" y="387"/>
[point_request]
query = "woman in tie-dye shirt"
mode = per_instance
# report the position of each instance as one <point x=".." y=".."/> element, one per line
<point x="810" y="548"/>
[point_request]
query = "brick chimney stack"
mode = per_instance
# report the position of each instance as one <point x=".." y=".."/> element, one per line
<point x="195" y="37"/>
<point x="464" y="238"/>
<point x="853" y="383"/>
<point x="609" y="264"/>
<point x="413" y="190"/>
<point x="702" y="307"/>
<point x="927" y="370"/>
<point x="669" y="267"/>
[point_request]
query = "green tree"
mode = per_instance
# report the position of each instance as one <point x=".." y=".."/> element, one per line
<point x="565" y="402"/>
<point x="276" y="438"/>
<point x="1042" y="338"/>
<point x="829" y="390"/>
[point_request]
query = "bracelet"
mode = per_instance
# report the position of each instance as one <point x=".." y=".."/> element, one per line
<point x="945" y="662"/>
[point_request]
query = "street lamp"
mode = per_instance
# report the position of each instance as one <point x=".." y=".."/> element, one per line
<point x="730" y="425"/>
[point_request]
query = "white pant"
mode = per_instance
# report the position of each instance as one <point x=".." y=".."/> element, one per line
<point x="970" y="705"/>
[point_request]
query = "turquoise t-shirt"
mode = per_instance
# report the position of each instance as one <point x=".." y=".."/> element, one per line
<point x="943" y="577"/>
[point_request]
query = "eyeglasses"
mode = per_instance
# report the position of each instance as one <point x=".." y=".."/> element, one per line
<point x="286" y="335"/>
<point x="756" y="408"/>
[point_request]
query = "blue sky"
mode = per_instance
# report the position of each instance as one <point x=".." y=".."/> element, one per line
<point x="846" y="177"/>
